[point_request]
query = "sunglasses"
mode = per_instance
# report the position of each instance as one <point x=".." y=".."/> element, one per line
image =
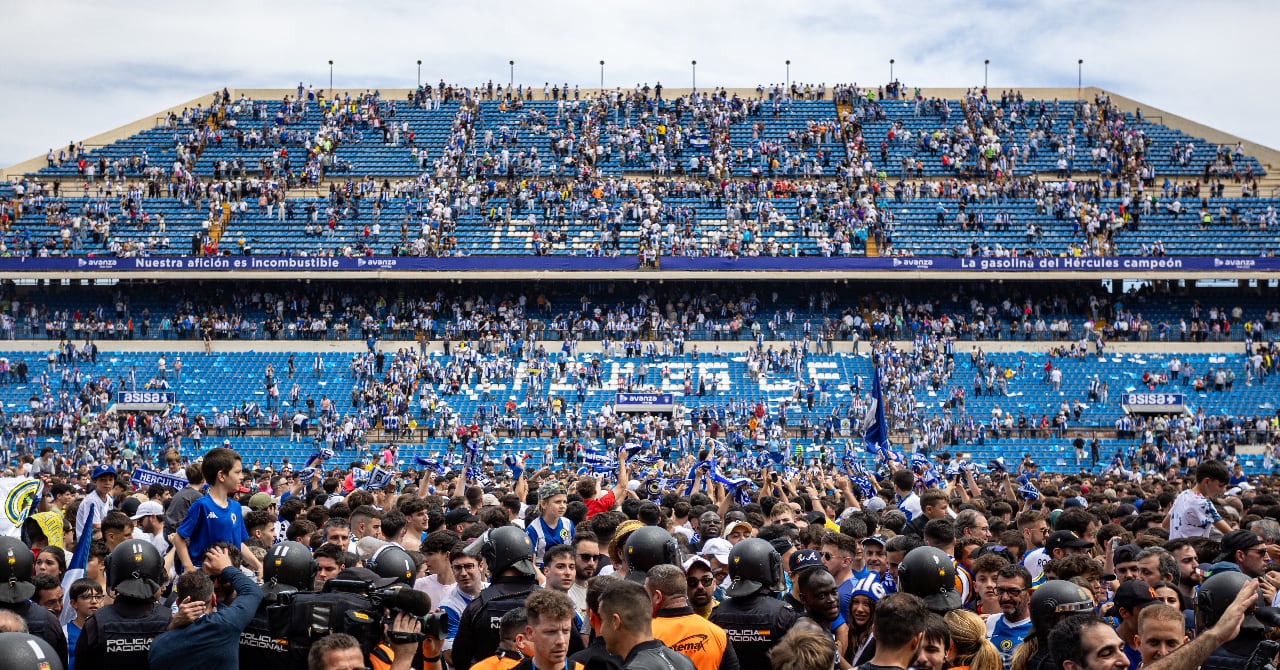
<point x="706" y="581"/>
<point x="588" y="557"/>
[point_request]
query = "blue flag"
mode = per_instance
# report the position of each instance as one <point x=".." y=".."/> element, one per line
<point x="874" y="429"/>
<point x="76" y="566"/>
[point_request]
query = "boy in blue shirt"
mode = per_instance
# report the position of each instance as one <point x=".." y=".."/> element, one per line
<point x="217" y="517"/>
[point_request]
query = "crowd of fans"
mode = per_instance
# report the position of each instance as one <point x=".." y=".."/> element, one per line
<point x="732" y="563"/>
<point x="607" y="310"/>
<point x="823" y="182"/>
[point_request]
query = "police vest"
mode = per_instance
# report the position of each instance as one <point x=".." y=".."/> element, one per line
<point x="753" y="625"/>
<point x="260" y="650"/>
<point x="496" y="605"/>
<point x="128" y="641"/>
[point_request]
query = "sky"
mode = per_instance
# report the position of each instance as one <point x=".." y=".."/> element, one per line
<point x="76" y="68"/>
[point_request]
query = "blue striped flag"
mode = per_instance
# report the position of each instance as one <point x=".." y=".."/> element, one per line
<point x="76" y="566"/>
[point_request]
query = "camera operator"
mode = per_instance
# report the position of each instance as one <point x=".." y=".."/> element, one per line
<point x="405" y="646"/>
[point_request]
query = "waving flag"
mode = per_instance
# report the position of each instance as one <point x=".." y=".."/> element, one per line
<point x="919" y="461"/>
<point x="1028" y="491"/>
<point x="317" y="459"/>
<point x="596" y="459"/>
<point x="865" y="487"/>
<point x="378" y="479"/>
<point x="19" y="494"/>
<point x="76" y="566"/>
<point x="874" y="429"/>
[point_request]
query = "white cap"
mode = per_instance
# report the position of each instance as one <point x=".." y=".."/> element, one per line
<point x="695" y="560"/>
<point x="148" y="508"/>
<point x="718" y="548"/>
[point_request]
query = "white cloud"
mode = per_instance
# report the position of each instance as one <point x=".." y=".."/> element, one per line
<point x="77" y="68"/>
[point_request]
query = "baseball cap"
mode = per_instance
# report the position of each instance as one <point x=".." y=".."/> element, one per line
<point x="1064" y="539"/>
<point x="130" y="505"/>
<point x="719" y="548"/>
<point x="734" y="524"/>
<point x="875" y="504"/>
<point x="459" y="515"/>
<point x="695" y="560"/>
<point x="804" y="559"/>
<point x="260" y="501"/>
<point x="105" y="469"/>
<point x="489" y="500"/>
<point x="874" y="539"/>
<point x="1134" y="594"/>
<point x="549" y="490"/>
<point x="1237" y="540"/>
<point x="1126" y="553"/>
<point x="148" y="508"/>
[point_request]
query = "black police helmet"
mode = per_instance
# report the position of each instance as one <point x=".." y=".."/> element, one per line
<point x="754" y="565"/>
<point x="1055" y="600"/>
<point x="17" y="568"/>
<point x="1214" y="596"/>
<point x="23" y="651"/>
<point x="930" y="573"/>
<point x="289" y="564"/>
<point x="392" y="561"/>
<point x="504" y="548"/>
<point x="647" y="547"/>
<point x="135" y="569"/>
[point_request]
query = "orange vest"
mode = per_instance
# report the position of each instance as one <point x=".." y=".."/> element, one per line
<point x="686" y="632"/>
<point x="496" y="662"/>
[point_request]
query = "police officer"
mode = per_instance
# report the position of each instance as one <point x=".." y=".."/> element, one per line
<point x="647" y="547"/>
<point x="752" y="617"/>
<point x="120" y="634"/>
<point x="1212" y="599"/>
<point x="17" y="568"/>
<point x="509" y="556"/>
<point x="930" y="573"/>
<point x="288" y="568"/>
<point x="1052" y="602"/>
<point x="22" y="651"/>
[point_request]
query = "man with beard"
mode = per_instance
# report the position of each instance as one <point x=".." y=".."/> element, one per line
<point x="702" y="585"/>
<point x="1185" y="554"/>
<point x="1006" y="630"/>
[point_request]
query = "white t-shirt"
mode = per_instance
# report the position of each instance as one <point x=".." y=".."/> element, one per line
<point x="910" y="506"/>
<point x="431" y="586"/>
<point x="1192" y="515"/>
